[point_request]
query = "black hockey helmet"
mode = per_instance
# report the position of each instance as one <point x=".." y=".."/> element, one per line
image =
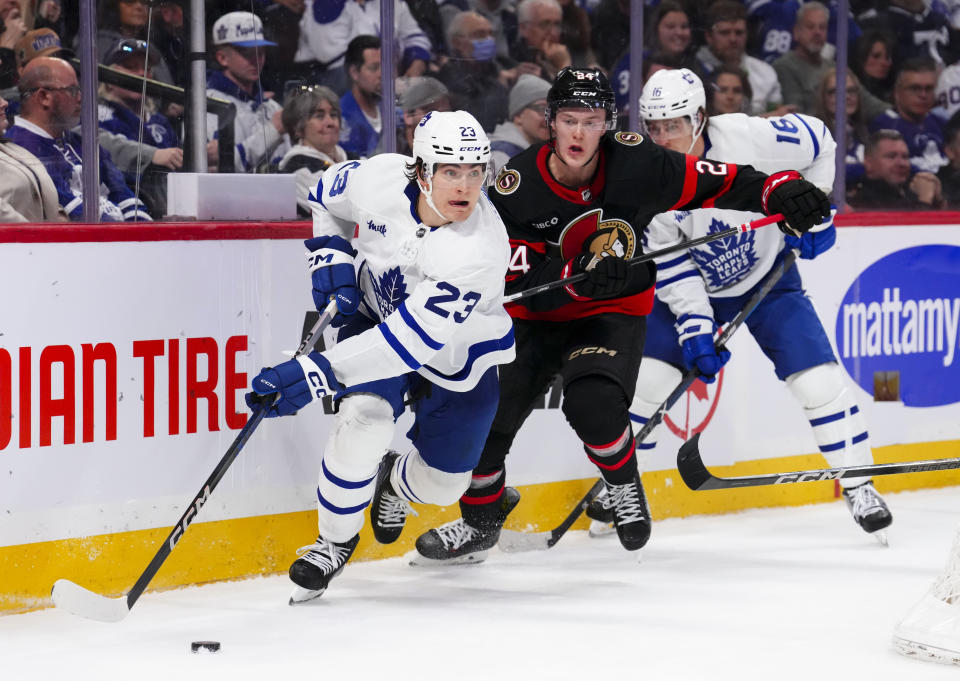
<point x="581" y="89"/>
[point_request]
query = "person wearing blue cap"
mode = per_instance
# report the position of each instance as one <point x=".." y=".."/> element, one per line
<point x="239" y="45"/>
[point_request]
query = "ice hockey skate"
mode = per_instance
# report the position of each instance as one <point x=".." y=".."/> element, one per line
<point x="869" y="510"/>
<point x="388" y="512"/>
<point x="631" y="516"/>
<point x="457" y="543"/>
<point x="317" y="564"/>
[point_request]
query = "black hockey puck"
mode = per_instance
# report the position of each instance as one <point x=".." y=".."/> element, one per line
<point x="205" y="646"/>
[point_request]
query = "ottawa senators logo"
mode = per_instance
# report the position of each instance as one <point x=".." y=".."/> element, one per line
<point x="507" y="181"/>
<point x="631" y="139"/>
<point x="601" y="237"/>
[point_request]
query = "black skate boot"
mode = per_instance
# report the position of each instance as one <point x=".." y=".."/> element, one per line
<point x="317" y="565"/>
<point x="458" y="543"/>
<point x="388" y="512"/>
<point x="868" y="507"/>
<point x="631" y="516"/>
<point x="599" y="508"/>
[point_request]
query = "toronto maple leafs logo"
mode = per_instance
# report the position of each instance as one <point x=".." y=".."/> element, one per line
<point x="725" y="261"/>
<point x="390" y="289"/>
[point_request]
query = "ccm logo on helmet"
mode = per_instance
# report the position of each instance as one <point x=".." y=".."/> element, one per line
<point x="470" y="148"/>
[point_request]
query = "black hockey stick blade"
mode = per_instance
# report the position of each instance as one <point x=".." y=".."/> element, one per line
<point x="80" y="601"/>
<point x="697" y="477"/>
<point x="512" y="541"/>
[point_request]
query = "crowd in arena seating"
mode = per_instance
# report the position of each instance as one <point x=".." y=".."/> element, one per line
<point x="305" y="77"/>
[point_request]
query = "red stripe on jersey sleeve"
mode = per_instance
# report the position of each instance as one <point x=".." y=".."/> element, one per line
<point x="689" y="183"/>
<point x="538" y="246"/>
<point x="727" y="183"/>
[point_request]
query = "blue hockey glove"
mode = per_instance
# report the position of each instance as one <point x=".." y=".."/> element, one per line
<point x="330" y="259"/>
<point x="811" y="244"/>
<point x="696" y="340"/>
<point x="299" y="381"/>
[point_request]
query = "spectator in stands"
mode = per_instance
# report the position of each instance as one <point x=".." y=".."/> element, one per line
<point x="361" y="123"/>
<point x="119" y="19"/>
<point x="873" y="63"/>
<point x="949" y="174"/>
<point x="472" y="75"/>
<point x="856" y="127"/>
<point x="258" y="129"/>
<point x="42" y="42"/>
<point x="611" y="31"/>
<point x="27" y="193"/>
<point x="527" y="124"/>
<point x="728" y="91"/>
<point x="919" y="27"/>
<point x="575" y="33"/>
<point x="48" y="14"/>
<point x="170" y="38"/>
<point x="420" y="96"/>
<point x="913" y="100"/>
<point x="670" y="35"/>
<point x="538" y="48"/>
<point x="948" y="92"/>
<point x="502" y="15"/>
<point x="12" y="28"/>
<point x="120" y="113"/>
<point x="311" y="117"/>
<point x="726" y="36"/>
<point x="801" y="69"/>
<point x="887" y="184"/>
<point x="50" y="107"/>
<point x="328" y="27"/>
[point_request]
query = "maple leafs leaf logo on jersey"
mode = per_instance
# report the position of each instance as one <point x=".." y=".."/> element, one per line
<point x="391" y="290"/>
<point x="725" y="261"/>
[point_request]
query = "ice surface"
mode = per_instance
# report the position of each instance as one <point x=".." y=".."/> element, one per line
<point x="795" y="593"/>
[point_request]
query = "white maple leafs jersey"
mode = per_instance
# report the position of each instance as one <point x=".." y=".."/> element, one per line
<point x="436" y="293"/>
<point x="732" y="266"/>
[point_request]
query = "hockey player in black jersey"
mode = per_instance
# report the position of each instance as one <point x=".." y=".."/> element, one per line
<point x="579" y="203"/>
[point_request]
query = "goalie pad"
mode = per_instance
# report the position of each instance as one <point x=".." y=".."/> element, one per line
<point x="348" y="470"/>
<point x="838" y="425"/>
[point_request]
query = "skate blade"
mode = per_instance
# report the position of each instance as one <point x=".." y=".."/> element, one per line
<point x="881" y="536"/>
<point x="925" y="652"/>
<point x="417" y="560"/>
<point x="301" y="595"/>
<point x="599" y="528"/>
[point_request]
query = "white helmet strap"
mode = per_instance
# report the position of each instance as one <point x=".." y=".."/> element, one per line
<point x="698" y="129"/>
<point x="426" y="188"/>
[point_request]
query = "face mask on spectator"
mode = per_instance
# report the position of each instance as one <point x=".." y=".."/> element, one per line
<point x="484" y="50"/>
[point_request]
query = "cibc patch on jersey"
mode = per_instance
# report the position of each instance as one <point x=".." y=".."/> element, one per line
<point x="507" y="181"/>
<point x="589" y="231"/>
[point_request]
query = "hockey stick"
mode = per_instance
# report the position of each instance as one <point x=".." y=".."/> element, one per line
<point x="85" y="603"/>
<point x="697" y="477"/>
<point x="514" y="542"/>
<point x="644" y="257"/>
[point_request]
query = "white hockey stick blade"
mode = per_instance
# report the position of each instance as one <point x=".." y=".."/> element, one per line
<point x="512" y="541"/>
<point x="82" y="602"/>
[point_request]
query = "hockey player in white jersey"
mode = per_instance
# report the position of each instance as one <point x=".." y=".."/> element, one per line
<point x="709" y="284"/>
<point x="421" y="313"/>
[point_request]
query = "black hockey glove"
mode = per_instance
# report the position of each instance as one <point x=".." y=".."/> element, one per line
<point x="608" y="277"/>
<point x="802" y="203"/>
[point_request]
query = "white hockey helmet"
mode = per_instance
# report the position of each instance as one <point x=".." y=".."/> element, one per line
<point x="675" y="93"/>
<point x="450" y="137"/>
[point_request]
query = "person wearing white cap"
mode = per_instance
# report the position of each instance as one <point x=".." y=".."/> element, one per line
<point x="527" y="124"/>
<point x="258" y="129"/>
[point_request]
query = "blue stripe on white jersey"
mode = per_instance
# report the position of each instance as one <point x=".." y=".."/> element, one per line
<point x="813" y="137"/>
<point x="476" y="351"/>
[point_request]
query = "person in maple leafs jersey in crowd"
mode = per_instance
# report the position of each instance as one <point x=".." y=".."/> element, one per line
<point x="420" y="299"/>
<point x="578" y="204"/>
<point x="709" y="284"/>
